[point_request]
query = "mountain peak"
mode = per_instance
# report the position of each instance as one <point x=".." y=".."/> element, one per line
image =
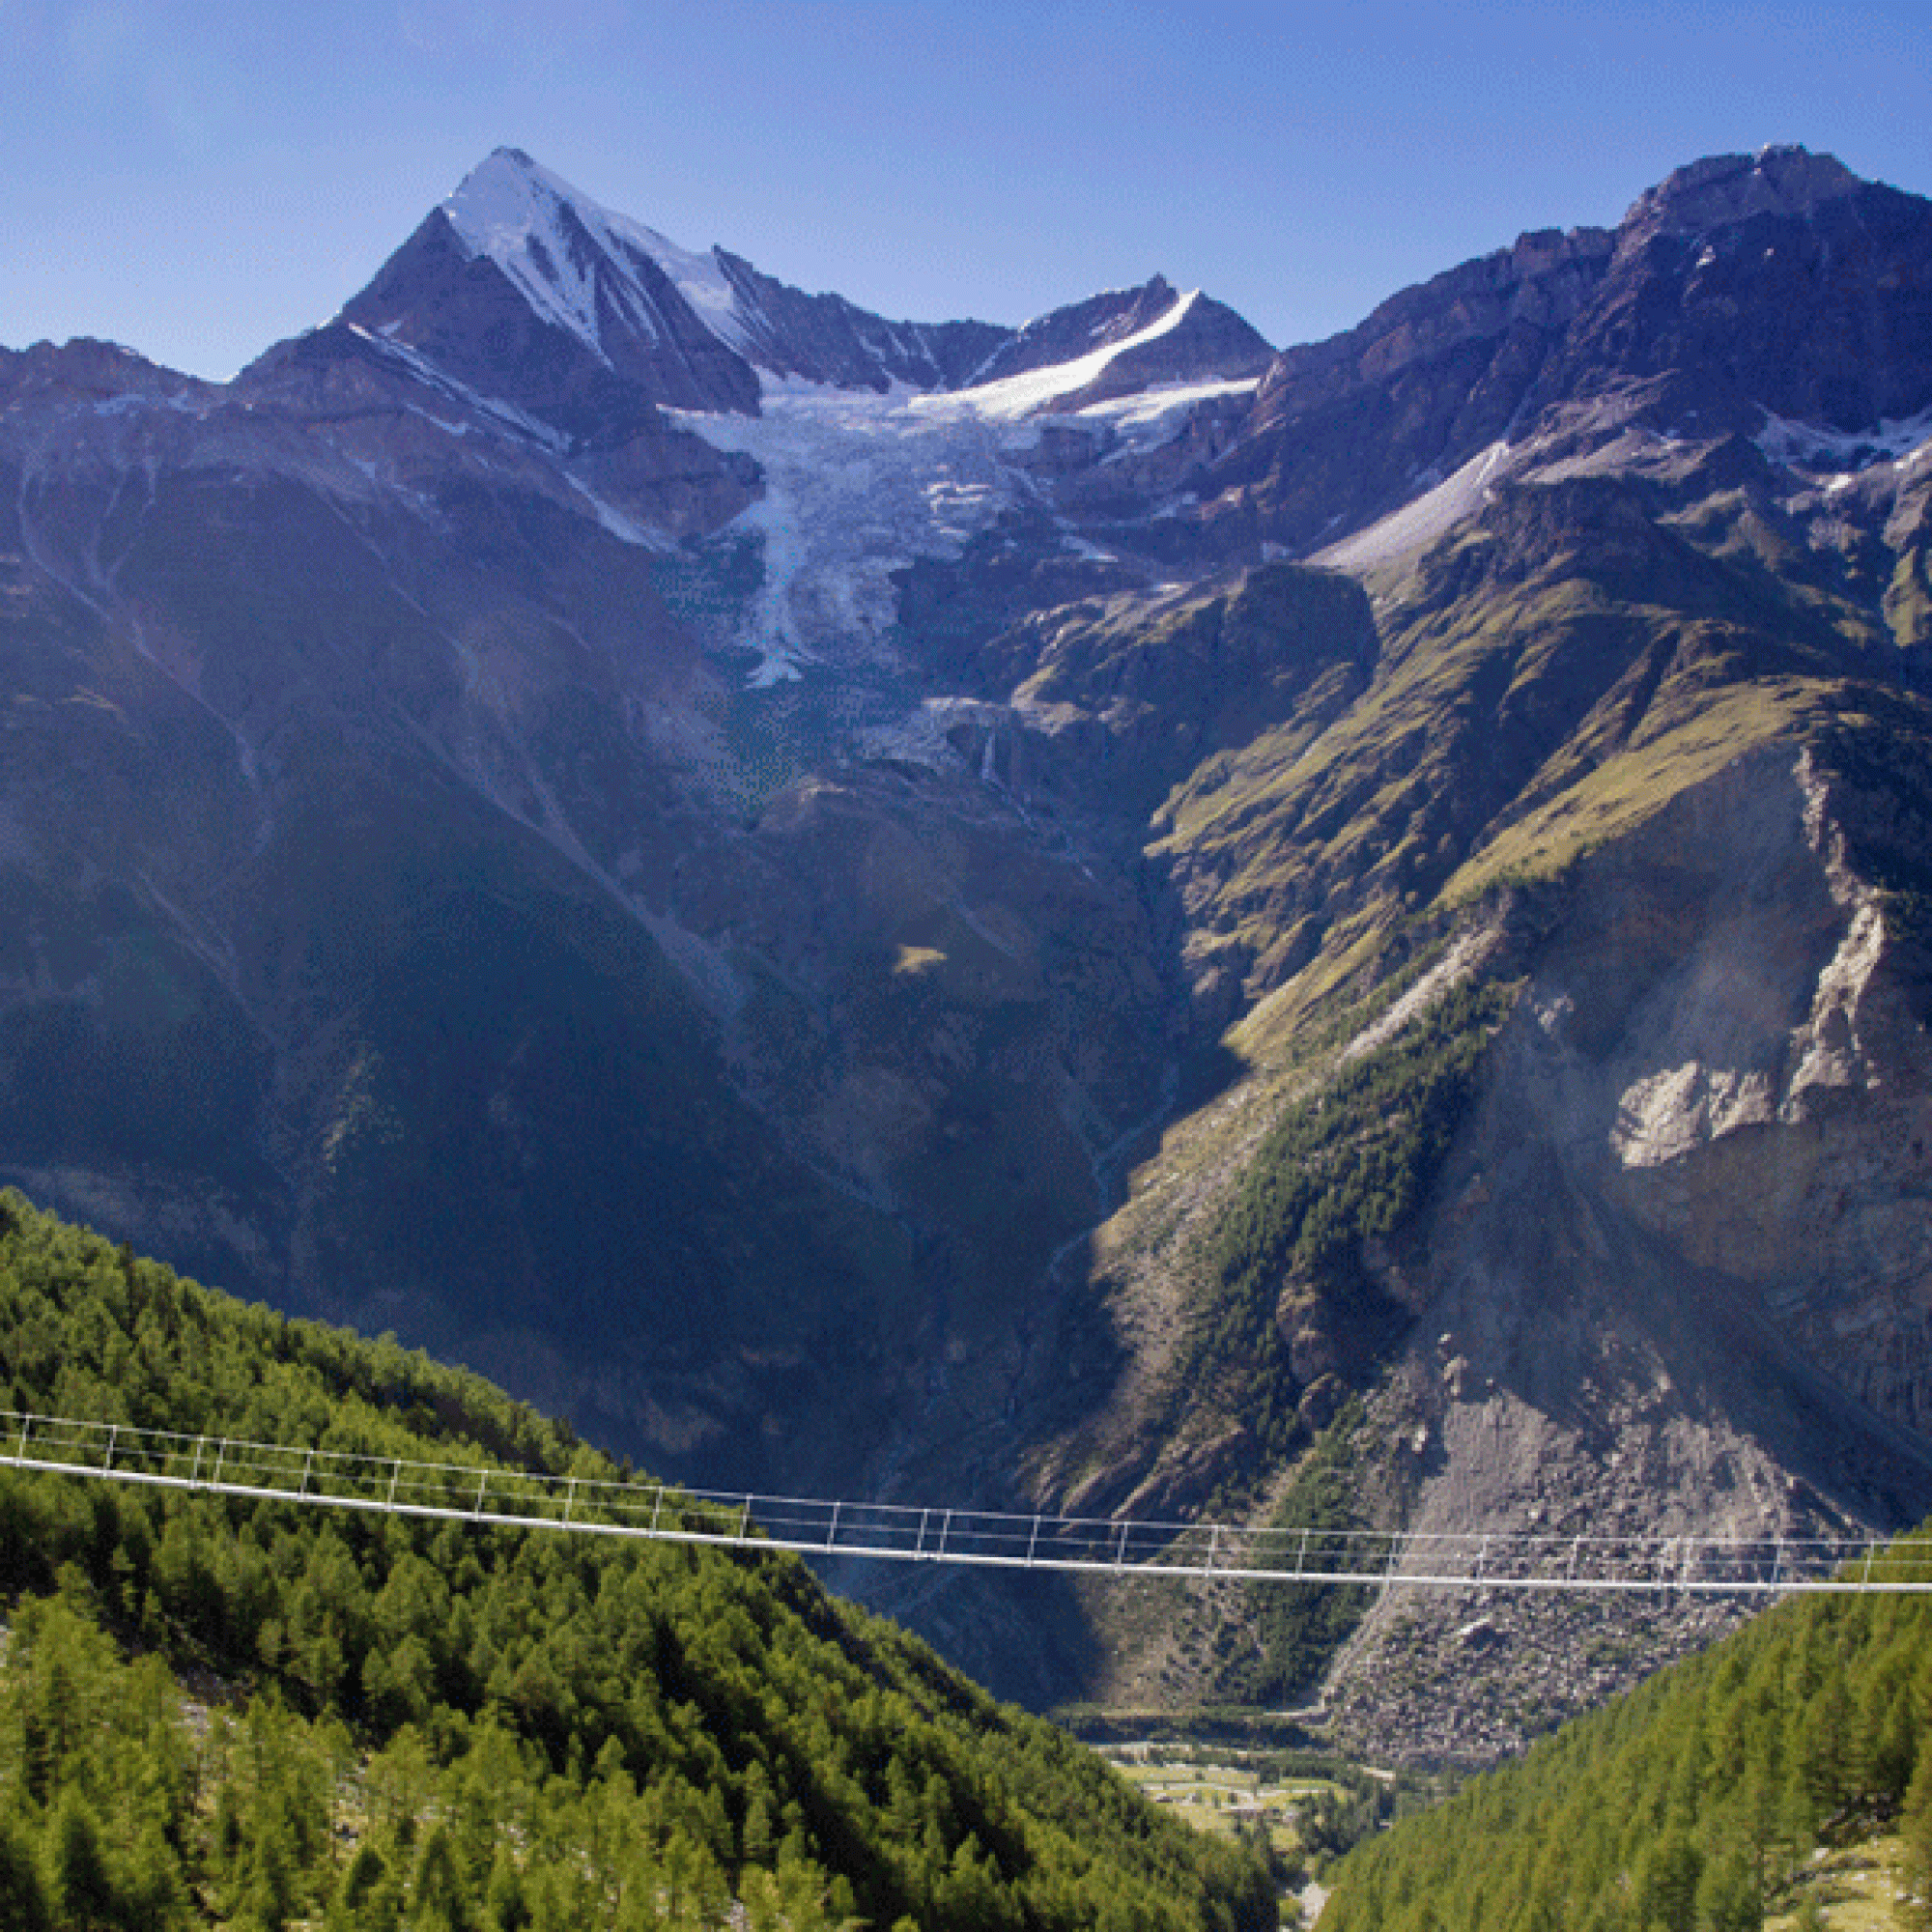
<point x="1724" y="189"/>
<point x="524" y="289"/>
<point x="1210" y="340"/>
<point x="546" y="236"/>
<point x="504" y="184"/>
<point x="517" y="252"/>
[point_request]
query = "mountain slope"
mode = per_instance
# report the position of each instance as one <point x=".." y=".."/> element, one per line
<point x="1707" y="1797"/>
<point x="413" y="731"/>
<point x="565" y="1729"/>
<point x="1082" y="913"/>
<point x="1653" y="816"/>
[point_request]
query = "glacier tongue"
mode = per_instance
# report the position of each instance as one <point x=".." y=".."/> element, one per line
<point x="856" y="486"/>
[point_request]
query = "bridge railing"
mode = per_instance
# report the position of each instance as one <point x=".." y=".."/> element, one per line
<point x="351" y="1479"/>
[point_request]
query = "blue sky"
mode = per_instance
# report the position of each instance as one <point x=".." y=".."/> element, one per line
<point x="199" y="180"/>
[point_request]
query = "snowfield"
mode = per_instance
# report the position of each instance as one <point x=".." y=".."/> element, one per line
<point x="1424" y="518"/>
<point x="1803" y="446"/>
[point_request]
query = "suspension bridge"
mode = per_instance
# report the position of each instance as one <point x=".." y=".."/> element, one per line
<point x="1112" y="1545"/>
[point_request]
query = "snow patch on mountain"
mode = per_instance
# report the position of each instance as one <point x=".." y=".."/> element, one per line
<point x="1157" y="415"/>
<point x="1424" y="518"/>
<point x="514" y="211"/>
<point x="624" y="529"/>
<point x="1803" y="446"/>
<point x="1011" y="397"/>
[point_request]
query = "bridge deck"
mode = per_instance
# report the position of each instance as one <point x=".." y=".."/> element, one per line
<point x="230" y="1466"/>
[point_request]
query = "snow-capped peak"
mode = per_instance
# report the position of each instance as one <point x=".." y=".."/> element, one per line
<point x="533" y="225"/>
<point x="1014" y="396"/>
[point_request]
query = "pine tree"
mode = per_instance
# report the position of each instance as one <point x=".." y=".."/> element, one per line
<point x="437" y="1899"/>
<point x="80" y="1887"/>
<point x="24" y="1898"/>
<point x="1728" y="1895"/>
<point x="1828" y="1755"/>
<point x="1915" y="1828"/>
<point x="157" y="1888"/>
<point x="1666" y="1883"/>
<point x="506" y="1907"/>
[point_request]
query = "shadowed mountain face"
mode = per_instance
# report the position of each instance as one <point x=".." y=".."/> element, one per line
<point x="966" y="914"/>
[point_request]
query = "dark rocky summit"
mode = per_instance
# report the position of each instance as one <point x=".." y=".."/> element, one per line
<point x="1738" y="285"/>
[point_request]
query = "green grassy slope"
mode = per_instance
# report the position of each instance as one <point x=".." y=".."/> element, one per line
<point x="255" y="1716"/>
<point x="1565" y="628"/>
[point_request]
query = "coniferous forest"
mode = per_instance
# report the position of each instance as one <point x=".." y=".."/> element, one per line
<point x="259" y="1716"/>
<point x="1697" y="1803"/>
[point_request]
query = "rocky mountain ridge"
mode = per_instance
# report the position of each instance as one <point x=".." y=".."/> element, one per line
<point x="525" y="288"/>
<point x="888" y="909"/>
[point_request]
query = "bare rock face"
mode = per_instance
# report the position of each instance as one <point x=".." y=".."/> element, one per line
<point x="1342" y="429"/>
<point x="1690" y="1221"/>
<point x="826" y="339"/>
<point x="1541" y="282"/>
<point x="1740" y="284"/>
<point x="1765" y="1113"/>
<point x="1785" y="283"/>
<point x="1724" y="189"/>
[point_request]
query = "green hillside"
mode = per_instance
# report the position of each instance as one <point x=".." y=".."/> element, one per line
<point x="217" y="1713"/>
<point x="1710" y="1799"/>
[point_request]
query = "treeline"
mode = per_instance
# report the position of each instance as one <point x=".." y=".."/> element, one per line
<point x="1297" y="1626"/>
<point x="1284" y="1300"/>
<point x="1352" y="1163"/>
<point x="1691" y="1804"/>
<point x="393" y="1724"/>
